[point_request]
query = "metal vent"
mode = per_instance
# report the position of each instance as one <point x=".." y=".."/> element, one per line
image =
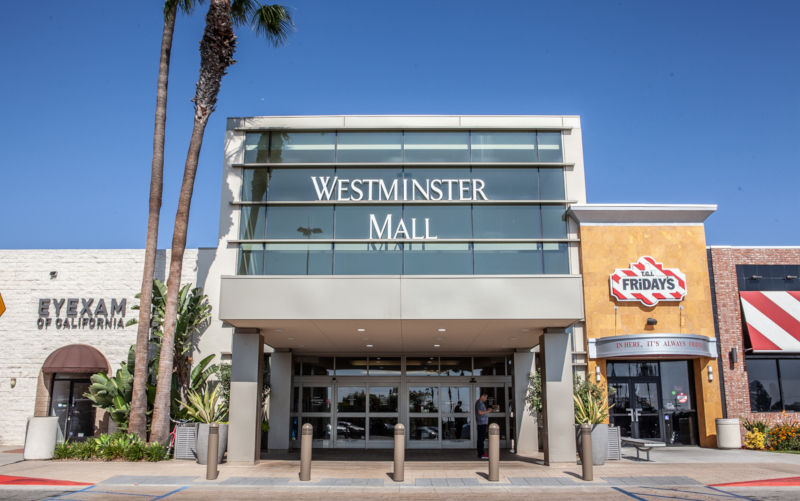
<point x="186" y="442"/>
<point x="614" y="443"/>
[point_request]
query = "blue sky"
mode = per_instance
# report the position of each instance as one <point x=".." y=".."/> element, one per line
<point x="681" y="102"/>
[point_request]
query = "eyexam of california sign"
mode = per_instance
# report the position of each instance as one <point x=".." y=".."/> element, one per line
<point x="648" y="282"/>
<point x="356" y="190"/>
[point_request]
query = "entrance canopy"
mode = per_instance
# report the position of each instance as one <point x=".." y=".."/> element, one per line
<point x="76" y="358"/>
<point x="773" y="320"/>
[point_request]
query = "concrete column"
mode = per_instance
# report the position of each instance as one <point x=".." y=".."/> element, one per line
<point x="527" y="439"/>
<point x="280" y="396"/>
<point x="244" y="430"/>
<point x="558" y="407"/>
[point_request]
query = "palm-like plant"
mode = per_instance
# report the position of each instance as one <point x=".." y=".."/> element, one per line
<point x="138" y="415"/>
<point x="592" y="411"/>
<point x="216" y="55"/>
<point x="202" y="406"/>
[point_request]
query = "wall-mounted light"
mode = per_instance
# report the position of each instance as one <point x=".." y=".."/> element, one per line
<point x="734" y="356"/>
<point x="652" y="321"/>
<point x="790" y="277"/>
<point x="710" y="373"/>
<point x="13" y="382"/>
<point x="755" y="277"/>
<point x="597" y="373"/>
<point x="333" y="380"/>
<point x="53" y="274"/>
<point x="472" y="380"/>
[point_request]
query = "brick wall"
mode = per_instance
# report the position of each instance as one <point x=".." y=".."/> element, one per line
<point x="729" y="315"/>
<point x="24" y="279"/>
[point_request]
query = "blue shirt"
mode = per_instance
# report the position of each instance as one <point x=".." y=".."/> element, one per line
<point x="484" y="419"/>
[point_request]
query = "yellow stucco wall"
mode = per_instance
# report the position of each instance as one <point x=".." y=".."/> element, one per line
<point x="606" y="248"/>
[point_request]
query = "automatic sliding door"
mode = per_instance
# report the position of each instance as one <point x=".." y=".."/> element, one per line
<point x="382" y="414"/>
<point x="351" y="416"/>
<point x="456" y="417"/>
<point x="312" y="404"/>
<point x="496" y="401"/>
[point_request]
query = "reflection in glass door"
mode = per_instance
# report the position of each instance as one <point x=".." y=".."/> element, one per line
<point x="456" y="417"/>
<point x="423" y="417"/>
<point x="74" y="411"/>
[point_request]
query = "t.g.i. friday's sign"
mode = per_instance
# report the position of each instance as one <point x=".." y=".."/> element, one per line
<point x="648" y="282"/>
<point x="375" y="189"/>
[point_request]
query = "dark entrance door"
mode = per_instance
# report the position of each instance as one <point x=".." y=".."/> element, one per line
<point x="637" y="409"/>
<point x="74" y="411"/>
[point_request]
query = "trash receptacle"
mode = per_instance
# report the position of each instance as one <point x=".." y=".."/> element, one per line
<point x="728" y="434"/>
<point x="41" y="435"/>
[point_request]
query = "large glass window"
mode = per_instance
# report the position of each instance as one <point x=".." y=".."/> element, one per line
<point x="507" y="221"/>
<point x="370" y="184"/>
<point x="298" y="259"/>
<point x="549" y="146"/>
<point x="383" y="398"/>
<point x="556" y="258"/>
<point x="384" y="366"/>
<point x="437" y="259"/>
<point x="554" y="221"/>
<point x="790" y="384"/>
<point x="251" y="259"/>
<point x="765" y="393"/>
<point x="507" y="183"/>
<point x="456" y="400"/>
<point x="317" y="366"/>
<point x="351" y="366"/>
<point x="256" y="148"/>
<point x="423" y="399"/>
<point x="254" y="185"/>
<point x="317" y="399"/>
<point x="422" y="366"/>
<point x="368" y="259"/>
<point x="676" y="388"/>
<point x="508" y="259"/>
<point x="303" y="147"/>
<point x="253" y="222"/>
<point x="444" y="221"/>
<point x="490" y="366"/>
<point x="436" y="147"/>
<point x="456" y="366"/>
<point x="299" y="185"/>
<point x="503" y="146"/>
<point x="351" y="399"/>
<point x="299" y="222"/>
<point x="359" y="147"/>
<point x="551" y="180"/>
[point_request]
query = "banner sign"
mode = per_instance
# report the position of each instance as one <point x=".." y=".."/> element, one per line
<point x="653" y="345"/>
<point x="648" y="282"/>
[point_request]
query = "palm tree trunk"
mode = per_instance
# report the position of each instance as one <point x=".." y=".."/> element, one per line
<point x="138" y="416"/>
<point x="216" y="55"/>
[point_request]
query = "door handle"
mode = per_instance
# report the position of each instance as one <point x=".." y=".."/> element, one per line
<point x="634" y="414"/>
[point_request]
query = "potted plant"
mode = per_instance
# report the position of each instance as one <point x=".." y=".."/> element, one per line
<point x="595" y="413"/>
<point x="203" y="408"/>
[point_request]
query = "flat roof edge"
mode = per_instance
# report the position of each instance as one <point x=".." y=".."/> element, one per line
<point x="641" y="213"/>
<point x="421" y="122"/>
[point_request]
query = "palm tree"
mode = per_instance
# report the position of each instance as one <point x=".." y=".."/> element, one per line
<point x="216" y="55"/>
<point x="138" y="416"/>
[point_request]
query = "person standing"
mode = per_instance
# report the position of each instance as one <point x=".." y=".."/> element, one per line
<point x="482" y="420"/>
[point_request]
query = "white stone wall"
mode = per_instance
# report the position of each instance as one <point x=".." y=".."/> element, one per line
<point x="25" y="278"/>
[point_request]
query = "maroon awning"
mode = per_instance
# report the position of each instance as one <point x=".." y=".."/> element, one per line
<point x="79" y="358"/>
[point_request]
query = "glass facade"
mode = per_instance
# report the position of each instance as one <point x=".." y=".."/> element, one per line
<point x="774" y="384"/>
<point x="457" y="235"/>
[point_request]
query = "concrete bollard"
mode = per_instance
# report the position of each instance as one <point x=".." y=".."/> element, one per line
<point x="213" y="451"/>
<point x="586" y="451"/>
<point x="494" y="453"/>
<point x="399" y="453"/>
<point x="305" y="452"/>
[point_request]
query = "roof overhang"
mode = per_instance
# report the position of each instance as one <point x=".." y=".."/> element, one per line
<point x="644" y="214"/>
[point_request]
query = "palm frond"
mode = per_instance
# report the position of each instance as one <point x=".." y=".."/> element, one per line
<point x="185" y="6"/>
<point x="273" y="22"/>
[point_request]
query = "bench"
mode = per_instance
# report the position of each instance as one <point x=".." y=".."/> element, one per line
<point x="642" y="445"/>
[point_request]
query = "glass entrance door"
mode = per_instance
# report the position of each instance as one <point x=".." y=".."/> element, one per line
<point x="74" y="411"/>
<point x="636" y="407"/>
<point x="456" y="416"/>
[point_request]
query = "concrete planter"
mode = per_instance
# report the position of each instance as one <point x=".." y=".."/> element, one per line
<point x="41" y="436"/>
<point x="599" y="442"/>
<point x="202" y="442"/>
<point x="728" y="435"/>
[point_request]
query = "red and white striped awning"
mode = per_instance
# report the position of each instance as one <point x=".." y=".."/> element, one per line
<point x="773" y="320"/>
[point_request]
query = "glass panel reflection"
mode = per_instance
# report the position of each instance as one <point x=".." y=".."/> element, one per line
<point x="646" y="396"/>
<point x="456" y="366"/>
<point x="490" y="366"/>
<point x="509" y="183"/>
<point x="302" y="147"/>
<point x="368" y="259"/>
<point x="556" y="258"/>
<point x="358" y="147"/>
<point x="321" y="425"/>
<point x="382" y="428"/>
<point x="317" y="366"/>
<point x="455" y="399"/>
<point x="251" y="259"/>
<point x="351" y="366"/>
<point x="496" y="399"/>
<point x="299" y="221"/>
<point x="351" y="428"/>
<point x="456" y="428"/>
<point x="444" y="221"/>
<point x="423" y="399"/>
<point x="503" y="146"/>
<point x="354" y="221"/>
<point x="554" y="221"/>
<point x="762" y="376"/>
<point x="253" y="222"/>
<point x="552" y="183"/>
<point x="254" y="185"/>
<point x="317" y="399"/>
<point x="650" y="427"/>
<point x="370" y="184"/>
<point x="384" y="366"/>
<point x="438" y="259"/>
<point x="436" y="147"/>
<point x="422" y="366"/>
<point x="423" y="429"/>
<point x="436" y="183"/>
<point x="295" y="185"/>
<point x="549" y="146"/>
<point x="351" y="399"/>
<point x="256" y="147"/>
<point x="501" y="423"/>
<point x="507" y="221"/>
<point x="508" y="259"/>
<point x="383" y="399"/>
<point x="790" y="383"/>
<point x="621" y="398"/>
<point x="298" y="259"/>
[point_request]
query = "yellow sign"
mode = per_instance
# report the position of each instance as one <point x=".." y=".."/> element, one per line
<point x="2" y="306"/>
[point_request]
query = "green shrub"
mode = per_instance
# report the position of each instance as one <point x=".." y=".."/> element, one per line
<point x="62" y="450"/>
<point x="84" y="450"/>
<point x="784" y="437"/>
<point x="755" y="425"/>
<point x="155" y="452"/>
<point x="134" y="451"/>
